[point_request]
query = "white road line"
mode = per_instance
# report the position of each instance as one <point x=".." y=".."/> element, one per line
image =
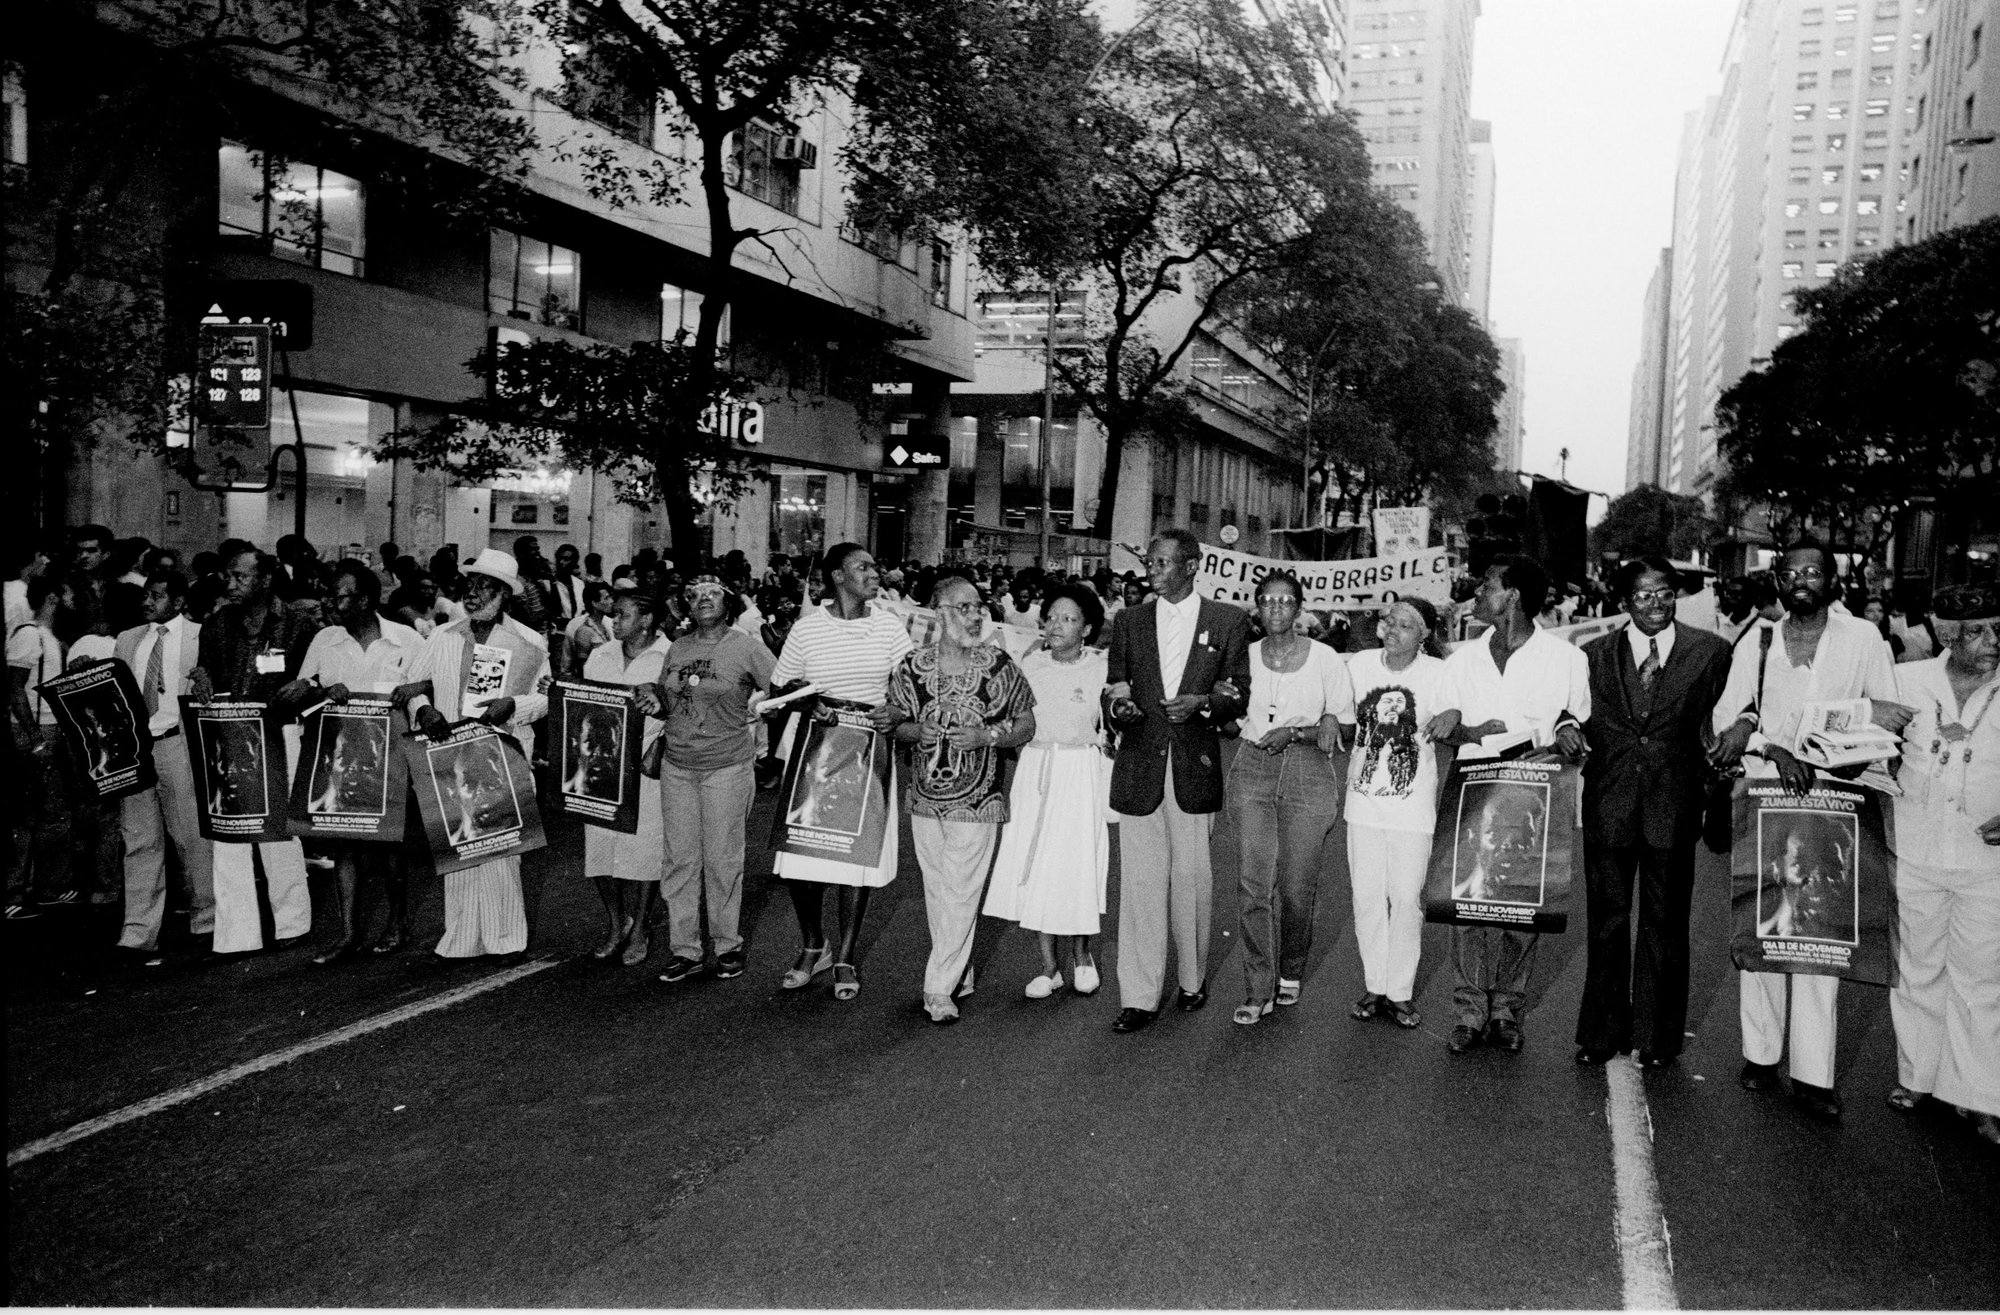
<point x="1645" y="1249"/>
<point x="237" y="1072"/>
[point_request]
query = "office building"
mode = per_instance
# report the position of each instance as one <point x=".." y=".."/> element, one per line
<point x="1479" y="249"/>
<point x="1508" y="433"/>
<point x="1955" y="158"/>
<point x="1646" y="431"/>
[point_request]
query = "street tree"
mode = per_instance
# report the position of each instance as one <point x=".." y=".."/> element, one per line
<point x="1889" y="394"/>
<point x="1648" y="519"/>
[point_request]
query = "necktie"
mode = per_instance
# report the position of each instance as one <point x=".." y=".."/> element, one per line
<point x="1649" y="670"/>
<point x="156" y="671"/>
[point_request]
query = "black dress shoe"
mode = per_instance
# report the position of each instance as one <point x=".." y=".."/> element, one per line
<point x="1758" y="1077"/>
<point x="1652" y="1059"/>
<point x="1593" y="1056"/>
<point x="1134" y="1020"/>
<point x="1193" y="1000"/>
<point x="1820" y="1102"/>
<point x="1504" y="1033"/>
<point x="1462" y="1039"/>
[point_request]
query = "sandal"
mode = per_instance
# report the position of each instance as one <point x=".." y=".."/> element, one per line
<point x="1367" y="1006"/>
<point x="811" y="963"/>
<point x="1288" y="992"/>
<point x="846" y="982"/>
<point x="1250" y="1011"/>
<point x="1902" y="1099"/>
<point x="391" y="942"/>
<point x="636" y="953"/>
<point x="1402" y="1013"/>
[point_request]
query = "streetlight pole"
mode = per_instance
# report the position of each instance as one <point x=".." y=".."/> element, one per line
<point x="1312" y="397"/>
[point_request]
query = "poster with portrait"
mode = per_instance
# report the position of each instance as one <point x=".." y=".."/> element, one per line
<point x="834" y="802"/>
<point x="352" y="782"/>
<point x="1812" y="881"/>
<point x="476" y="795"/>
<point x="1506" y="848"/>
<point x="237" y="752"/>
<point x="598" y="732"/>
<point x="103" y="720"/>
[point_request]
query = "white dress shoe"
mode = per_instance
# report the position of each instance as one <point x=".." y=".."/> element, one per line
<point x="1043" y="987"/>
<point x="1086" y="979"/>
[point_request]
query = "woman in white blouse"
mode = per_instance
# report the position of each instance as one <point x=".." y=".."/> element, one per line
<point x="1284" y="794"/>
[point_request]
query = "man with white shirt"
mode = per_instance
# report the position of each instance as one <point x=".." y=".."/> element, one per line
<point x="1813" y="655"/>
<point x="1515" y="691"/>
<point x="160" y="654"/>
<point x="363" y="652"/>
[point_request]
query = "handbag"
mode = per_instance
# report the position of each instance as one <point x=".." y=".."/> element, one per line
<point x="655" y="754"/>
<point x="1718" y="814"/>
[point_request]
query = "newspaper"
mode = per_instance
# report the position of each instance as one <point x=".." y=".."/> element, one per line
<point x="1839" y="733"/>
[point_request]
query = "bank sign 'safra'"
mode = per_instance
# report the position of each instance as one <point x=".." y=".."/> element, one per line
<point x="1364" y="582"/>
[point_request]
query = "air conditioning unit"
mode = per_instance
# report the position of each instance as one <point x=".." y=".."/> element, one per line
<point x="795" y="152"/>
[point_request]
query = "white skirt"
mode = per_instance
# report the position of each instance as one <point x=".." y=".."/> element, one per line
<point x="640" y="856"/>
<point x="1055" y="852"/>
<point x="832" y="872"/>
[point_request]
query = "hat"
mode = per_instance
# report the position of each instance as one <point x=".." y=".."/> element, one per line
<point x="1966" y="602"/>
<point x="624" y="579"/>
<point x="501" y="566"/>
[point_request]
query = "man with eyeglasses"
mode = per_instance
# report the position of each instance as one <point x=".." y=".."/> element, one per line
<point x="1811" y="656"/>
<point x="1653" y="685"/>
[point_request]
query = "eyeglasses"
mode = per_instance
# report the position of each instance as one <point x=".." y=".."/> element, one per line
<point x="963" y="609"/>
<point x="1803" y="573"/>
<point x="1278" y="602"/>
<point x="1651" y="595"/>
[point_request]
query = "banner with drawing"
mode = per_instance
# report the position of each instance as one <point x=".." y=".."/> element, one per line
<point x="103" y="720"/>
<point x="1357" y="585"/>
<point x="352" y="783"/>
<point x="476" y="795"/>
<point x="834" y="802"/>
<point x="1400" y="531"/>
<point x="1507" y="846"/>
<point x="1812" y="881"/>
<point x="598" y="733"/>
<point x="237" y="753"/>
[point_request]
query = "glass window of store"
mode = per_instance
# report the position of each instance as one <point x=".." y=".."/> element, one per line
<point x="337" y="431"/>
<point x="798" y="514"/>
<point x="309" y="214"/>
<point x="1021" y="471"/>
<point x="680" y="312"/>
<point x="527" y="279"/>
<point x="1018" y="321"/>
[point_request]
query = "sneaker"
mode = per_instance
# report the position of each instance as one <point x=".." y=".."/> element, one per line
<point x="61" y="899"/>
<point x="21" y="913"/>
<point x="679" y="969"/>
<point x="729" y="964"/>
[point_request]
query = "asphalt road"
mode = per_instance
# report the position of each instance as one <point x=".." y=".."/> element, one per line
<point x="587" y="1136"/>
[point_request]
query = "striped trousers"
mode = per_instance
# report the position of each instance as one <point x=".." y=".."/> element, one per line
<point x="484" y="912"/>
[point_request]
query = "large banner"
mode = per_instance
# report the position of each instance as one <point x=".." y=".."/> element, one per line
<point x="103" y="720"/>
<point x="598" y="733"/>
<point x="237" y="751"/>
<point x="476" y="795"/>
<point x="1812" y="881"/>
<point x="835" y="799"/>
<point x="1365" y="582"/>
<point x="1507" y="846"/>
<point x="352" y="782"/>
<point x="1400" y="531"/>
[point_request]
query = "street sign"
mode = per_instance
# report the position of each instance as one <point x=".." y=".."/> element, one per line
<point x="916" y="452"/>
<point x="232" y="387"/>
<point x="284" y="304"/>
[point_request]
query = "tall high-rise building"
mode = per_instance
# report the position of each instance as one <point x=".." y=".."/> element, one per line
<point x="1647" y="429"/>
<point x="1509" y="435"/>
<point x="1479" y="250"/>
<point x="1955" y="159"/>
<point x="1322" y="26"/>
<point x="1409" y="84"/>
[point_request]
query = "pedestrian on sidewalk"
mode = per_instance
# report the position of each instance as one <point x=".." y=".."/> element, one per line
<point x="42" y="867"/>
<point x="1946" y="1003"/>
<point x="627" y="868"/>
<point x="964" y="702"/>
<point x="1284" y="794"/>
<point x="712" y="682"/>
<point x="1054" y="864"/>
<point x="1395" y="774"/>
<point x="1654" y="684"/>
<point x="1514" y="692"/>
<point x="847" y="647"/>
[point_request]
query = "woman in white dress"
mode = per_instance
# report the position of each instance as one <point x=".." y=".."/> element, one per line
<point x="627" y="869"/>
<point x="1055" y="855"/>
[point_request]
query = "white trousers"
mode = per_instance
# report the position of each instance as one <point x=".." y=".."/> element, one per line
<point x="236" y="926"/>
<point x="1946" y="1004"/>
<point x="954" y="857"/>
<point x="484" y="912"/>
<point x="1763" y="1015"/>
<point x="1386" y="869"/>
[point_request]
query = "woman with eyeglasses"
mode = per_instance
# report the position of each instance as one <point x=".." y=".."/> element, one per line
<point x="1284" y="794"/>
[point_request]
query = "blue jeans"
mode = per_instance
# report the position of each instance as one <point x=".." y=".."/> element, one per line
<point x="1285" y="805"/>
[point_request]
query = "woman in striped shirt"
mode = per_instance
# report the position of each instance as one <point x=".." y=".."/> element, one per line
<point x="848" y="649"/>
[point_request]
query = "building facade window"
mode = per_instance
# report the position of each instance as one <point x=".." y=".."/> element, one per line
<point x="1808" y="80"/>
<point x="1865" y="238"/>
<point x="1842" y="81"/>
<point x="1837" y="111"/>
<point x="1830" y="175"/>
<point x="1829" y="239"/>
<point x="1811" y="17"/>
<point x="1802" y="144"/>
<point x="14" y="105"/>
<point x="597" y="85"/>
<point x="1845" y="13"/>
<point x="1793" y="268"/>
<point x="1795" y="239"/>
<point x="1018" y="321"/>
<point x="941" y="265"/>
<point x="1881" y="43"/>
<point x="1809" y="48"/>
<point x="1836" y="141"/>
<point x="1868" y="205"/>
<point x="1843" y="46"/>
<point x="1829" y="205"/>
<point x="1824" y="268"/>
<point x="528" y="279"/>
<point x="1794" y="208"/>
<point x="1875" y="139"/>
<point x="757" y="168"/>
<point x="308" y="214"/>
<point x="1802" y="112"/>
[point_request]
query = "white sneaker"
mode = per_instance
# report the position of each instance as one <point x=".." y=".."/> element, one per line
<point x="1043" y="987"/>
<point x="1086" y="979"/>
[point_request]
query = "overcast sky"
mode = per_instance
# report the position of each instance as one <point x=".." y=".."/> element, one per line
<point x="1586" y="99"/>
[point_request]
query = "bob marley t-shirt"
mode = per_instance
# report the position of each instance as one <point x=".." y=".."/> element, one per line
<point x="1392" y="773"/>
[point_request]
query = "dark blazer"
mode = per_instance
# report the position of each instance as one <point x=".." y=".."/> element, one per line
<point x="1220" y="651"/>
<point x="1647" y="775"/>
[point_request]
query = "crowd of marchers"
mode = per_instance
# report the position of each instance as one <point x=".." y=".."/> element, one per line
<point x="1012" y="770"/>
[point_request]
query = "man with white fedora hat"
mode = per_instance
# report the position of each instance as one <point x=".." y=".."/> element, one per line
<point x="490" y="666"/>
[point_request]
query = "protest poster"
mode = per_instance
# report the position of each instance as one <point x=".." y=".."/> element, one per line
<point x="475" y="794"/>
<point x="1812" y="881"/>
<point x="237" y="752"/>
<point x="1357" y="585"/>
<point x="835" y="799"/>
<point x="1507" y="846"/>
<point x="1400" y="531"/>
<point x="103" y="720"/>
<point x="599" y="730"/>
<point x="352" y="783"/>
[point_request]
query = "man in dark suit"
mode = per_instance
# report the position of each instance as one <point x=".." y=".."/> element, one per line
<point x="1653" y="686"/>
<point x="1179" y="666"/>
